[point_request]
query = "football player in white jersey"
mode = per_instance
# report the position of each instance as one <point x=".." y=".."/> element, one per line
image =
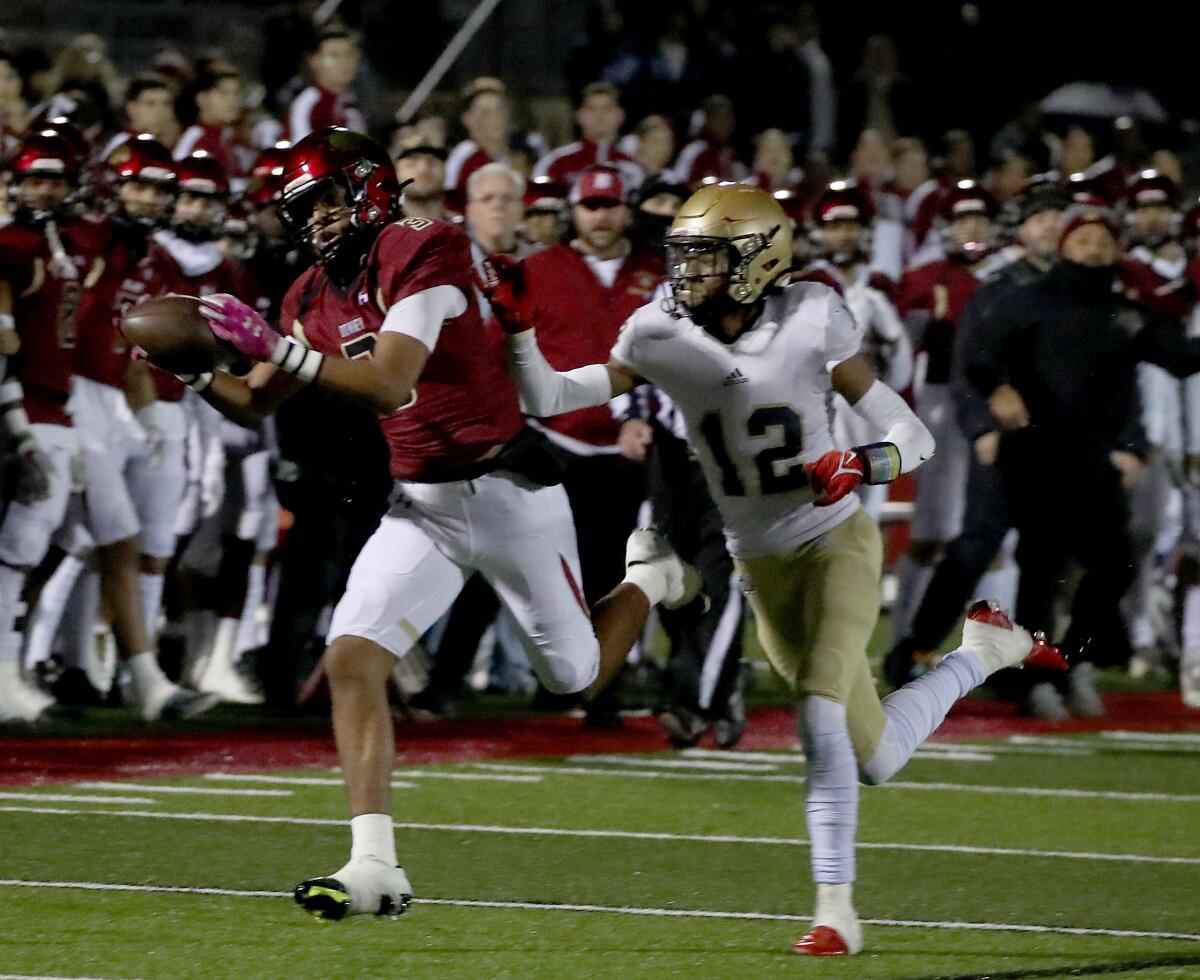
<point x="752" y="364"/>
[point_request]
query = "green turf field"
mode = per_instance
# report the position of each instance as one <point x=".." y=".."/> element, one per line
<point x="687" y="865"/>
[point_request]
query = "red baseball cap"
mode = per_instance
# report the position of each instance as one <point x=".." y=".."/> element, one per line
<point x="599" y="184"/>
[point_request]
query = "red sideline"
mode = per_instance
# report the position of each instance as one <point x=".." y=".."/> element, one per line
<point x="32" y="761"/>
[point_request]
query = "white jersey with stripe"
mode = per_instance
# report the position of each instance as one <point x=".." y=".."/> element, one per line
<point x="756" y="409"/>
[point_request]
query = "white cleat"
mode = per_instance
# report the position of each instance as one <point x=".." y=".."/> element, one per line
<point x="170" y="702"/>
<point x="682" y="581"/>
<point x="363" y="886"/>
<point x="20" y="701"/>
<point x="995" y="639"/>
<point x="1082" y="698"/>
<point x="832" y="934"/>
<point x="226" y="682"/>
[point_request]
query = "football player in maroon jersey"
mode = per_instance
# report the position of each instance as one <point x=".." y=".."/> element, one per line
<point x="386" y="318"/>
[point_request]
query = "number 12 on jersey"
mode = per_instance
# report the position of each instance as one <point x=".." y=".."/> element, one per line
<point x="781" y="423"/>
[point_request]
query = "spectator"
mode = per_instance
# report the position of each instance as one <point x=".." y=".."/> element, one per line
<point x="773" y="167"/>
<point x="329" y="100"/>
<point x="495" y="208"/>
<point x="654" y="145"/>
<point x="423" y="166"/>
<point x="711" y="156"/>
<point x="487" y="116"/>
<point x="599" y="118"/>
<point x="84" y="65"/>
<point x="13" y="111"/>
<point x="149" y="108"/>
<point x="213" y="104"/>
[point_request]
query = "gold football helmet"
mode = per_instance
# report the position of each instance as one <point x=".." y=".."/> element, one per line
<point x="728" y="240"/>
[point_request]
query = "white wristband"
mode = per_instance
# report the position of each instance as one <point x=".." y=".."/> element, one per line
<point x="197" y="382"/>
<point x="7" y="322"/>
<point x="16" y="421"/>
<point x="11" y="391"/>
<point x="297" y="359"/>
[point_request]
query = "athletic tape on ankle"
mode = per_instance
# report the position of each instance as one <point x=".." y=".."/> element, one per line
<point x="881" y="462"/>
<point x="297" y="359"/>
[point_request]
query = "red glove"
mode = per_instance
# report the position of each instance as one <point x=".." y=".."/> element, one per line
<point x="834" y="475"/>
<point x="503" y="283"/>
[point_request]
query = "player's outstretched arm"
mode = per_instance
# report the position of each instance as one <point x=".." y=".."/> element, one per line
<point x="546" y="392"/>
<point x="907" y="443"/>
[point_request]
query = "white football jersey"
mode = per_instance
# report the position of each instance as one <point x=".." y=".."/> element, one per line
<point x="756" y="409"/>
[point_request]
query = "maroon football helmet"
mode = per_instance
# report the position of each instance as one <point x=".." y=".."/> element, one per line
<point x="966" y="199"/>
<point x="44" y="153"/>
<point x="336" y="164"/>
<point x="145" y="162"/>
<point x="842" y="204"/>
<point x="201" y="173"/>
<point x="1151" y="187"/>
<point x="843" y="200"/>
<point x="267" y="173"/>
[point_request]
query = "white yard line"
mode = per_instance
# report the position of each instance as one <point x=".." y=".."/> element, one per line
<point x="797" y="758"/>
<point x="625" y="910"/>
<point x="186" y="790"/>
<point x="665" y="762"/>
<point x="72" y="798"/>
<point x="1086" y="794"/>
<point x="1102" y="744"/>
<point x="1182" y="738"/>
<point x="467" y="777"/>
<point x="34" y="976"/>
<point x="468" y="828"/>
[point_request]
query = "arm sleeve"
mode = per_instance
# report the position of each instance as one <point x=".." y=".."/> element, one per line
<point x="889" y="413"/>
<point x="421" y="315"/>
<point x="546" y="392"/>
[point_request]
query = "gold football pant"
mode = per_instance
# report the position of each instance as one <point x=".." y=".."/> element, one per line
<point x="816" y="608"/>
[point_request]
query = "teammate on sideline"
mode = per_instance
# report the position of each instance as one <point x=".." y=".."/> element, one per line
<point x="751" y="363"/>
<point x="386" y="318"/>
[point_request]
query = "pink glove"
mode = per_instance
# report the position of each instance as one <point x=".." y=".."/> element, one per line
<point x="240" y="326"/>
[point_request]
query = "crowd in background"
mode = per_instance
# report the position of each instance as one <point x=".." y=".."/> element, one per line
<point x="1072" y="501"/>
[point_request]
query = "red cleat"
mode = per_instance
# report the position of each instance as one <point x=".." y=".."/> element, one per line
<point x="821" y="941"/>
<point x="989" y="611"/>
<point x="1044" y="656"/>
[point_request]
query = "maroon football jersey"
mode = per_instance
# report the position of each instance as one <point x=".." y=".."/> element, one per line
<point x="465" y="403"/>
<point x="101" y="352"/>
<point x="46" y="308"/>
<point x="578" y="319"/>
<point x="162" y="272"/>
<point x="941" y="289"/>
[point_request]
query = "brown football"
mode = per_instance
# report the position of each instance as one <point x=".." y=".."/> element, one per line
<point x="171" y="333"/>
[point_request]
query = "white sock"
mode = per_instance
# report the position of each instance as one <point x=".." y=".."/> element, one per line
<point x="150" y="587"/>
<point x="650" y="580"/>
<point x="372" y="835"/>
<point x="223" y="641"/>
<point x="1191" y="624"/>
<point x="913" y="580"/>
<point x="78" y="625"/>
<point x="834" y="903"/>
<point x="256" y="583"/>
<point x="47" y="614"/>
<point x="831" y="789"/>
<point x="1000" y="584"/>
<point x="916" y="710"/>
<point x="10" y="648"/>
<point x="146" y="674"/>
<point x="199" y="626"/>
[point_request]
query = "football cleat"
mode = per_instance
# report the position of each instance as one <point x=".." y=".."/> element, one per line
<point x="821" y="941"/>
<point x="684" y="727"/>
<point x="683" y="582"/>
<point x="1044" y="656"/>
<point x="364" y="886"/>
<point x="226" y="682"/>
<point x="995" y="639"/>
<point x="1045" y="703"/>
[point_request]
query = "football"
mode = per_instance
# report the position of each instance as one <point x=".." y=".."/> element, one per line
<point x="171" y="333"/>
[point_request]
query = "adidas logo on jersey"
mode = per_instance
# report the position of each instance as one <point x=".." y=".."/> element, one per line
<point x="735" y="377"/>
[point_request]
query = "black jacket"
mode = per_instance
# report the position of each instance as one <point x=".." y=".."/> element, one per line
<point x="1070" y="344"/>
